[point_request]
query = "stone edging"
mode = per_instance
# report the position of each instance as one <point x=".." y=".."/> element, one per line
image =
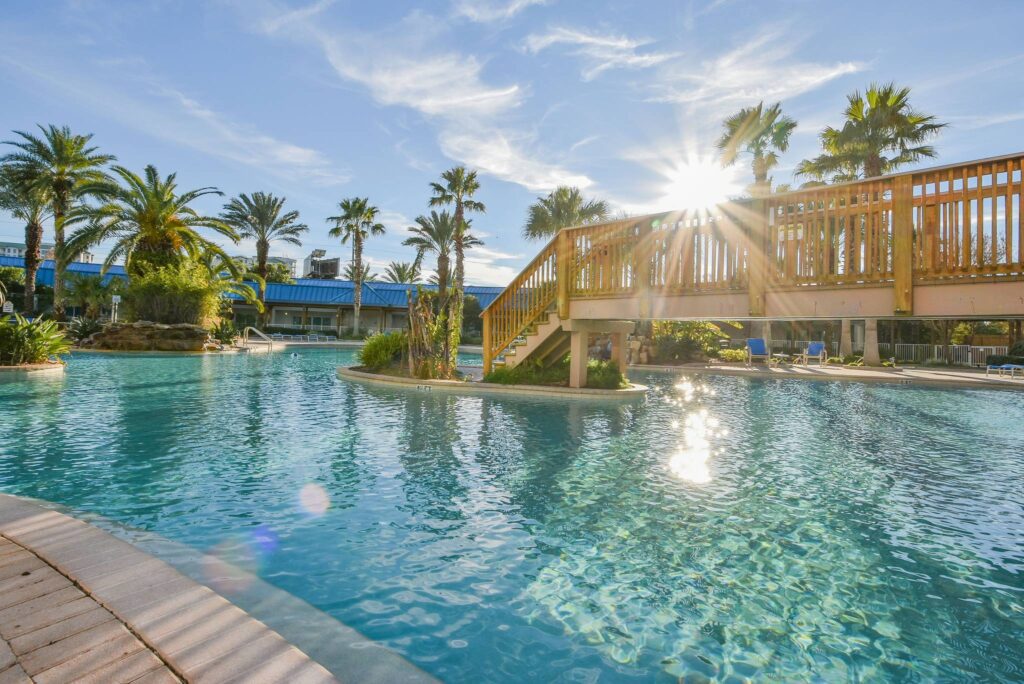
<point x="33" y="368"/>
<point x="634" y="391"/>
<point x="894" y="376"/>
<point x="195" y="631"/>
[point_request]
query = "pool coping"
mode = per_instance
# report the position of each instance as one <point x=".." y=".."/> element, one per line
<point x="196" y="632"/>
<point x="634" y="391"/>
<point x="33" y="368"/>
<point x="905" y="376"/>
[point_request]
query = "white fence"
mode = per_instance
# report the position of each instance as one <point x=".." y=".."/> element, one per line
<point x="954" y="354"/>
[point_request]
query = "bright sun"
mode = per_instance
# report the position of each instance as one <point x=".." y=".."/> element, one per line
<point x="698" y="183"/>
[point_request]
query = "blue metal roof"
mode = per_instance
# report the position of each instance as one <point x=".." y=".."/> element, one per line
<point x="304" y="292"/>
<point x="44" y="276"/>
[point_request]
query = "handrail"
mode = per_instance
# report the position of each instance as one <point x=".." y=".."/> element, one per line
<point x="259" y="333"/>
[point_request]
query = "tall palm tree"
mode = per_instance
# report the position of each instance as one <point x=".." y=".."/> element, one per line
<point x="226" y="275"/>
<point x="365" y="276"/>
<point x="66" y="170"/>
<point x="457" y="189"/>
<point x="150" y="222"/>
<point x="762" y="133"/>
<point x="262" y="218"/>
<point x="402" y="272"/>
<point x="357" y="222"/>
<point x="25" y="203"/>
<point x="564" y="207"/>
<point x="881" y="132"/>
<point x="436" y="234"/>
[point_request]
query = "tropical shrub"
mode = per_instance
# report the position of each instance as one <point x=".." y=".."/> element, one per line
<point x="81" y="328"/>
<point x="682" y="341"/>
<point x="12" y="279"/>
<point x="26" y="342"/>
<point x="181" y="293"/>
<point x="224" y="332"/>
<point x="600" y="374"/>
<point x="383" y="350"/>
<point x="732" y="355"/>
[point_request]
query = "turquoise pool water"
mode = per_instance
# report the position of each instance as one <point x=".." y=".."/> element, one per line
<point x="724" y="529"/>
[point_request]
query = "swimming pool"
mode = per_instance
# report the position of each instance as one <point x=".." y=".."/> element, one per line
<point x="726" y="527"/>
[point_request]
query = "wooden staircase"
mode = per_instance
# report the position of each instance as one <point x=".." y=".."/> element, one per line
<point x="544" y="341"/>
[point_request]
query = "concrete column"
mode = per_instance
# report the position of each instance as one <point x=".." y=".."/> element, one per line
<point x="578" y="359"/>
<point x="619" y="350"/>
<point x="871" y="357"/>
<point x="766" y="331"/>
<point x="846" y="339"/>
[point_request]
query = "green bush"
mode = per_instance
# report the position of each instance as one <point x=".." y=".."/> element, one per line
<point x="224" y="332"/>
<point x="81" y="328"/>
<point x="24" y="342"/>
<point x="1017" y="349"/>
<point x="682" y="341"/>
<point x="173" y="294"/>
<point x="1000" y="359"/>
<point x="600" y="375"/>
<point x="383" y="350"/>
<point x="732" y="355"/>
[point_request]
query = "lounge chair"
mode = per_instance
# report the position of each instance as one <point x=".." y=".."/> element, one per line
<point x="757" y="348"/>
<point x="1001" y="369"/>
<point x="815" y="350"/>
<point x="332" y="338"/>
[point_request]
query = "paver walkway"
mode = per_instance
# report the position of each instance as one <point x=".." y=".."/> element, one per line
<point x="53" y="632"/>
<point x="79" y="605"/>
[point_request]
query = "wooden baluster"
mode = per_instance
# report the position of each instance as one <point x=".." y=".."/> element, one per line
<point x="1008" y="212"/>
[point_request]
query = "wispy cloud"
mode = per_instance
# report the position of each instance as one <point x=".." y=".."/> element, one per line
<point x="763" y="68"/>
<point x="446" y="86"/>
<point x="971" y="122"/>
<point x="600" y="52"/>
<point x="485" y="11"/>
<point x="141" y="101"/>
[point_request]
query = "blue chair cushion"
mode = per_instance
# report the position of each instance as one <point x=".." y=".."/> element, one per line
<point x="757" y="346"/>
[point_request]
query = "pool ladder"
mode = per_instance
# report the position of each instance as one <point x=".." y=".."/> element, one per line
<point x="258" y="333"/>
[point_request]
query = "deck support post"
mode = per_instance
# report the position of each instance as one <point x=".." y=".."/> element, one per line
<point x="487" y="342"/>
<point x="578" y="359"/>
<point x="903" y="245"/>
<point x="619" y="350"/>
<point x="758" y="225"/>
<point x="871" y="357"/>
<point x="846" y="338"/>
<point x="563" y="271"/>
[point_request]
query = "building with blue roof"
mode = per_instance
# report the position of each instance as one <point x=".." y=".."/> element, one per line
<point x="308" y="304"/>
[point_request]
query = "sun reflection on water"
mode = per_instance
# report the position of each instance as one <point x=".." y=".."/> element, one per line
<point x="699" y="428"/>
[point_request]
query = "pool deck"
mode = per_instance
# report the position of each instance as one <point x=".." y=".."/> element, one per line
<point x="79" y="605"/>
<point x="908" y="375"/>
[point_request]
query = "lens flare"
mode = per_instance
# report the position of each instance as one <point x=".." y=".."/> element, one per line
<point x="313" y="500"/>
<point x="690" y="463"/>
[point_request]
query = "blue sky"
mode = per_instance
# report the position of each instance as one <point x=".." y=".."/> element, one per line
<point x="319" y="101"/>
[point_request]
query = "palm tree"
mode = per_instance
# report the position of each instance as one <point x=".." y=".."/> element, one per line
<point x="225" y="275"/>
<point x="65" y="169"/>
<point x="761" y="133"/>
<point x="436" y="234"/>
<point x="881" y="133"/>
<point x="150" y="222"/>
<point x="25" y="203"/>
<point x="357" y="221"/>
<point x="90" y="293"/>
<point x="402" y="272"/>
<point x="458" y="189"/>
<point x="261" y="218"/>
<point x="349" y="273"/>
<point x="564" y="207"/>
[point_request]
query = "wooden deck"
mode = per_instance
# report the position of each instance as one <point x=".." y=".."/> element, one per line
<point x="78" y="605"/>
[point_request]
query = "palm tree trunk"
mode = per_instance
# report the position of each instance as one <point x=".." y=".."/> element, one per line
<point x="872" y="166"/>
<point x="59" y="263"/>
<point x="262" y="249"/>
<point x="33" y="237"/>
<point x="457" y="298"/>
<point x="357" y="265"/>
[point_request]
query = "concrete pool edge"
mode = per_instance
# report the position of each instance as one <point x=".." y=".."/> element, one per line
<point x="167" y="610"/>
<point x="34" y="368"/>
<point x="905" y="376"/>
<point x="634" y="391"/>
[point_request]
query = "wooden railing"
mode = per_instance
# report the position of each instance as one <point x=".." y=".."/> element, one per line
<point x="529" y="294"/>
<point x="962" y="221"/>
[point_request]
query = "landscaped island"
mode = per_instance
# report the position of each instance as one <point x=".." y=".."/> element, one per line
<point x="31" y="345"/>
